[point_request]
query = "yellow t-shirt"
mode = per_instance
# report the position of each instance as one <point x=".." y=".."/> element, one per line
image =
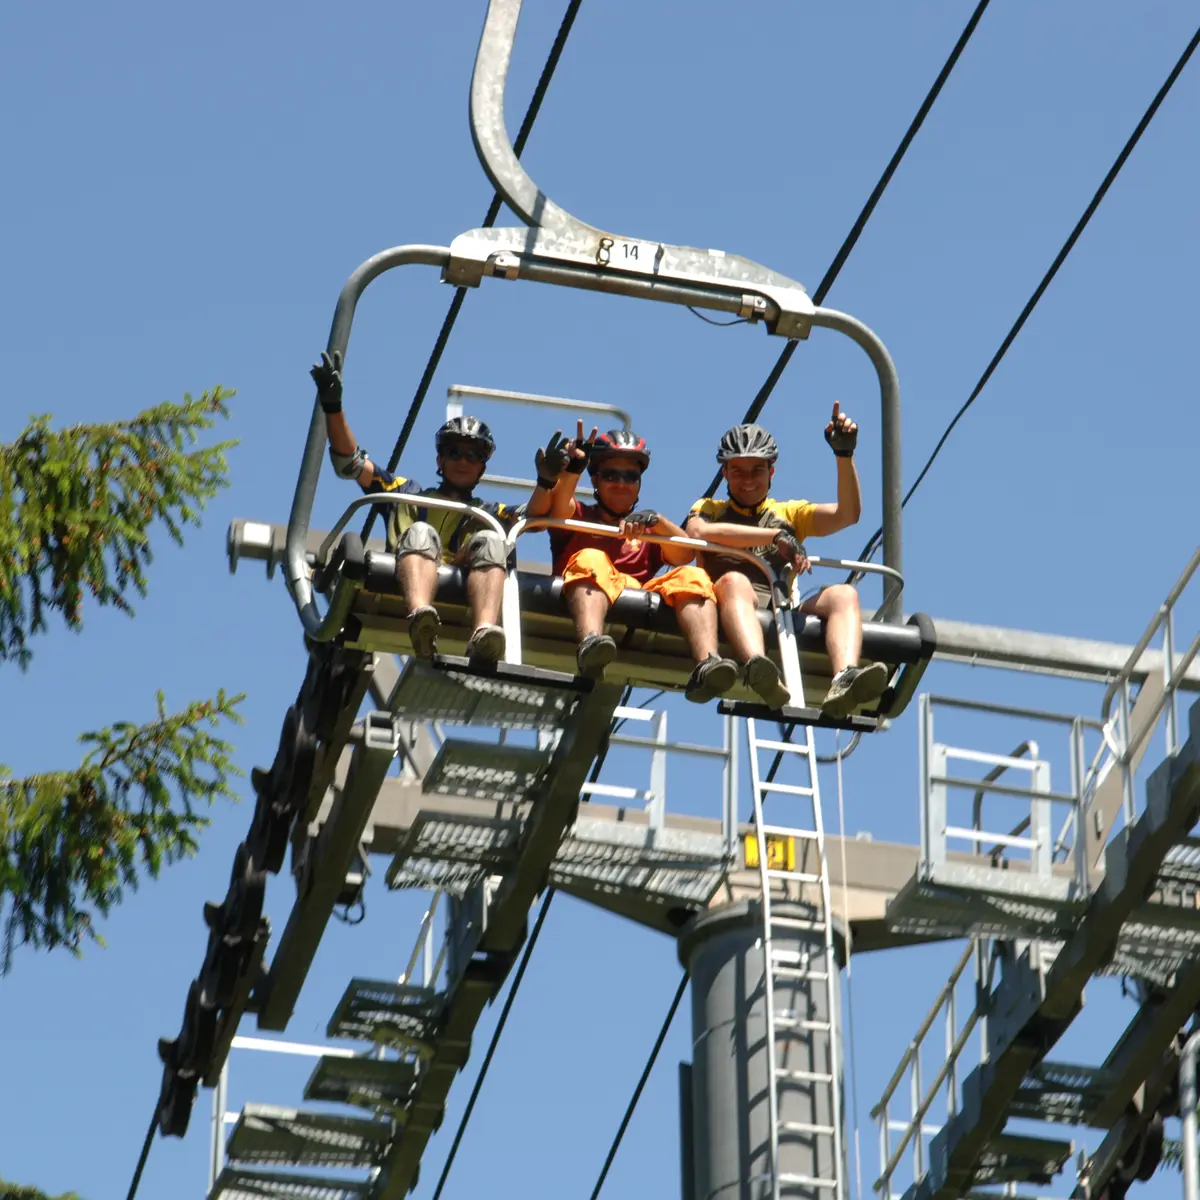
<point x="793" y="515"/>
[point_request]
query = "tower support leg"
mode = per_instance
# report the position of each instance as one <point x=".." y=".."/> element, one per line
<point x="731" y="1137"/>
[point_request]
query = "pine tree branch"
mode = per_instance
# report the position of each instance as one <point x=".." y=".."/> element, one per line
<point x="76" y="506"/>
<point x="16" y="1191"/>
<point x="72" y="842"/>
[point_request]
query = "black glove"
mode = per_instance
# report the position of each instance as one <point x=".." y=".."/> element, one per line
<point x="841" y="434"/>
<point x="789" y="547"/>
<point x="327" y="374"/>
<point x="576" y="464"/>
<point x="647" y="518"/>
<point x="551" y="460"/>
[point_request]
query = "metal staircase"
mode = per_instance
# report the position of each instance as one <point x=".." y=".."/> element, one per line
<point x="1048" y="910"/>
<point x="803" y="1058"/>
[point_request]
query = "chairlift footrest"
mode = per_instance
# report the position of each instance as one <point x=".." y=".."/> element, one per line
<point x="800" y="716"/>
<point x="454" y="690"/>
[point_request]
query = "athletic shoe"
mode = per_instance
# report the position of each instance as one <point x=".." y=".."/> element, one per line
<point x="711" y="678"/>
<point x="486" y="644"/>
<point x="595" y="652"/>
<point x="423" y="626"/>
<point x="762" y="677"/>
<point x="854" y="687"/>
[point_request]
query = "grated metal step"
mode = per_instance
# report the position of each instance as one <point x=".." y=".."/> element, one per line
<point x="485" y="770"/>
<point x="664" y="865"/>
<point x="956" y="900"/>
<point x="1061" y="1093"/>
<point x="381" y="1084"/>
<point x="454" y="853"/>
<point x="265" y="1134"/>
<point x="1018" y="1158"/>
<point x="513" y="697"/>
<point x="389" y="1014"/>
<point x="234" y="1183"/>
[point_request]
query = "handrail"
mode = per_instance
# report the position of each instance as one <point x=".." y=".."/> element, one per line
<point x="613" y="531"/>
<point x="396" y="498"/>
<point x="457" y="390"/>
<point x="816" y="560"/>
<point x="1174" y="674"/>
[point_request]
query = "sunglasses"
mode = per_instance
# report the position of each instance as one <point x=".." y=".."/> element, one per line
<point x="458" y="453"/>
<point x="612" y="475"/>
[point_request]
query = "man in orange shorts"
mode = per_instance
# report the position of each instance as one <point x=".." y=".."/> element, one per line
<point x="596" y="569"/>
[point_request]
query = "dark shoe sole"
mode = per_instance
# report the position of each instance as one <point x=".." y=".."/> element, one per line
<point x="423" y="628"/>
<point x="762" y="677"/>
<point x="718" y="679"/>
<point x="868" y="685"/>
<point x="593" y="661"/>
<point x="487" y="645"/>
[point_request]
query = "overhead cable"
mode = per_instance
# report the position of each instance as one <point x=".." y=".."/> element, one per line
<point x="641" y="1083"/>
<point x="839" y="259"/>
<point x="141" y="1164"/>
<point x="460" y="294"/>
<point x="491" y="1050"/>
<point x="874" y="540"/>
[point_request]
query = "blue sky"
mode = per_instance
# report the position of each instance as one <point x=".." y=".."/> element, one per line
<point x="189" y="188"/>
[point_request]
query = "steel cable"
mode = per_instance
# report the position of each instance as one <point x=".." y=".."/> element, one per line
<point x="839" y="259"/>
<point x="873" y="541"/>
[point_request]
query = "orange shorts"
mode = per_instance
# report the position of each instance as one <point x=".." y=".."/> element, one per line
<point x="675" y="586"/>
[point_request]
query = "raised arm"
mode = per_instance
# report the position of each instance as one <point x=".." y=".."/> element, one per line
<point x="349" y="459"/>
<point x="559" y="464"/>
<point x="842" y="435"/>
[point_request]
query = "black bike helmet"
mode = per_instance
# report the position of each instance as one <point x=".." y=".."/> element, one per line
<point x="618" y="441"/>
<point x="466" y="429"/>
<point x="747" y="441"/>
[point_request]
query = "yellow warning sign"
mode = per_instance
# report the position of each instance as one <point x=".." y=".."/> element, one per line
<point x="781" y="852"/>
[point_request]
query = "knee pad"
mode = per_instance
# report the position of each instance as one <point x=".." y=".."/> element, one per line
<point x="487" y="549"/>
<point x="420" y="538"/>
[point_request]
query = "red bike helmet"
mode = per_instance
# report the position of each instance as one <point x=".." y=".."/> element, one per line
<point x="618" y="441"/>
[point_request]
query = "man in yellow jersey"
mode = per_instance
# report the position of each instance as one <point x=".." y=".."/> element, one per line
<point x="775" y="529"/>
<point x="422" y="537"/>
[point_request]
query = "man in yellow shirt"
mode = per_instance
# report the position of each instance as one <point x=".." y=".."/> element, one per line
<point x="775" y="530"/>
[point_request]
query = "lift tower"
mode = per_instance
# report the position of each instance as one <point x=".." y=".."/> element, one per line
<point x="762" y="908"/>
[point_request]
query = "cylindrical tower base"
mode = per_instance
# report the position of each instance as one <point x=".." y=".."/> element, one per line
<point x="731" y="1136"/>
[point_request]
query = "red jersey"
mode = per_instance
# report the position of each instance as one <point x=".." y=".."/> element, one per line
<point x="641" y="560"/>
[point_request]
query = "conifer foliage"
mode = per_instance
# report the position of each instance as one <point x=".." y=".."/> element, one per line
<point x="77" y="507"/>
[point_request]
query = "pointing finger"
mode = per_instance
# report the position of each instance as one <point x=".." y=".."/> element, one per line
<point x="837" y="407"/>
<point x="579" y="430"/>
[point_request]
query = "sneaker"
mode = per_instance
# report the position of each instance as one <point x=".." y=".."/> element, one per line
<point x="853" y="687"/>
<point x="423" y="626"/>
<point x="762" y="677"/>
<point x="486" y="644"/>
<point x="595" y="652"/>
<point x="711" y="678"/>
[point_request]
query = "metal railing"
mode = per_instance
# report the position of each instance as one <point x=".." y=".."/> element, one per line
<point x="1033" y="832"/>
<point x="1123" y="743"/>
<point x="914" y="1130"/>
